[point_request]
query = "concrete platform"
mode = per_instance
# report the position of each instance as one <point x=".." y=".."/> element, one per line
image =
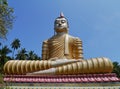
<point x="85" y="81"/>
<point x="115" y="85"/>
<point x="39" y="87"/>
<point x="82" y="78"/>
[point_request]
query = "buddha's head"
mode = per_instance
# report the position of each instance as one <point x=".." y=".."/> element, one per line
<point x="61" y="24"/>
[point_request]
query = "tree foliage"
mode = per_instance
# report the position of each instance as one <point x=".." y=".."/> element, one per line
<point x="22" y="54"/>
<point x="6" y="18"/>
<point x="116" y="68"/>
<point x="32" y="56"/>
<point x="4" y="51"/>
<point x="15" y="45"/>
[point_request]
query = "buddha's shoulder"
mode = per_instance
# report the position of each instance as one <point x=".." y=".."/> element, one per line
<point x="49" y="39"/>
<point x="74" y="38"/>
<point x="45" y="41"/>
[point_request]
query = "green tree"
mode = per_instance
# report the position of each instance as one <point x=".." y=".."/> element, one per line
<point x="4" y="51"/>
<point x="33" y="56"/>
<point x="116" y="68"/>
<point x="6" y="18"/>
<point x="22" y="54"/>
<point x="37" y="57"/>
<point x="15" y="45"/>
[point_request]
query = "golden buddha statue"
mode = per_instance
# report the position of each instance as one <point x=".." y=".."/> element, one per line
<point x="61" y="54"/>
<point x="62" y="45"/>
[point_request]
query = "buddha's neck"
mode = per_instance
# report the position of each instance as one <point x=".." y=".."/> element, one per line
<point x="62" y="33"/>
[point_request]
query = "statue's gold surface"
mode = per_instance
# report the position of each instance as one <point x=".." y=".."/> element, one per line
<point x="96" y="65"/>
<point x="61" y="54"/>
<point x="62" y="46"/>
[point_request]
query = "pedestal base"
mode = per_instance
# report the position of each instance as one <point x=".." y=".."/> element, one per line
<point x="83" y="78"/>
<point x="111" y="85"/>
<point x="84" y="81"/>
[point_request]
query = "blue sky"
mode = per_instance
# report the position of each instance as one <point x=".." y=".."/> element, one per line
<point x="95" y="22"/>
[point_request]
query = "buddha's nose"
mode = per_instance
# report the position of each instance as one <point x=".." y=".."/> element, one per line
<point x="60" y="24"/>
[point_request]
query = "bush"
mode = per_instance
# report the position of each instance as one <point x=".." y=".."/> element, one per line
<point x="1" y="78"/>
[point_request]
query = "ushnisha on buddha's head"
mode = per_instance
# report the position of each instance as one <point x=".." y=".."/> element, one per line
<point x="61" y="24"/>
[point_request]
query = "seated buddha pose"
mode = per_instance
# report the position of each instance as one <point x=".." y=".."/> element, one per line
<point x="61" y="54"/>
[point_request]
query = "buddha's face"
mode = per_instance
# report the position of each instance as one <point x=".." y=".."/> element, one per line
<point x="61" y="25"/>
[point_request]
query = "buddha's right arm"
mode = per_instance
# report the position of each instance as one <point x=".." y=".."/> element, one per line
<point x="45" y="50"/>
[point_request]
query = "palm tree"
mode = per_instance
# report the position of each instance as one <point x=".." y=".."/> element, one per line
<point x="15" y="45"/>
<point x="116" y="68"/>
<point x="22" y="54"/>
<point x="4" y="51"/>
<point x="37" y="57"/>
<point x="33" y="56"/>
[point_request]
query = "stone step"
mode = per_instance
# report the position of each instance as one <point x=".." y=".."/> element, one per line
<point x="60" y="87"/>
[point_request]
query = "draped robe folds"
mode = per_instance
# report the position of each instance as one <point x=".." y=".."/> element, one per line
<point x="62" y="47"/>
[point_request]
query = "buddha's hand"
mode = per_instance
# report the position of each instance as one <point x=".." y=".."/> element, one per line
<point x="53" y="59"/>
<point x="80" y="60"/>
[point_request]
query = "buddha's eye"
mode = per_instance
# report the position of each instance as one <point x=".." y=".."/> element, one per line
<point x="57" y="21"/>
<point x="63" y="21"/>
